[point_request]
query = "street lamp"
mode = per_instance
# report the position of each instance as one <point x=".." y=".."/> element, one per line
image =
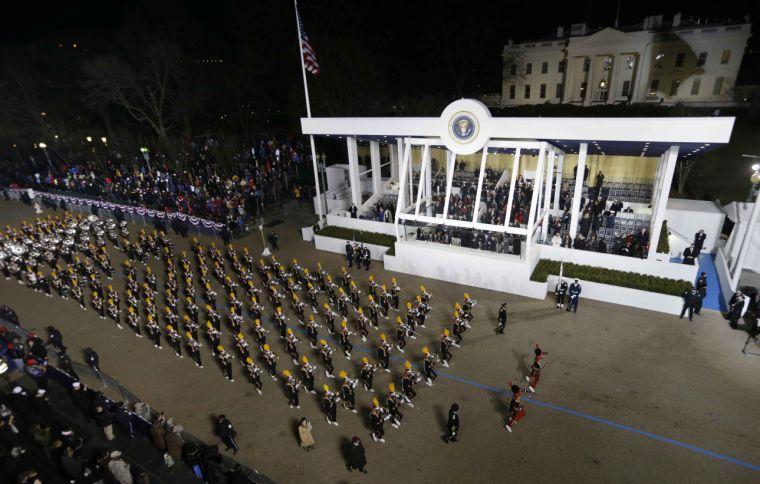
<point x="103" y="139"/>
<point x="89" y="139"/>
<point x="42" y="146"/>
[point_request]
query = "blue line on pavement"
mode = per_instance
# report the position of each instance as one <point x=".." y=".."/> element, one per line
<point x="606" y="422"/>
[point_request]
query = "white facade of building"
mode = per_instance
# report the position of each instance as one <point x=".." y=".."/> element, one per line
<point x="654" y="62"/>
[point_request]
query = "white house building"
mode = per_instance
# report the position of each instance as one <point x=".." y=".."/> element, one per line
<point x="681" y="61"/>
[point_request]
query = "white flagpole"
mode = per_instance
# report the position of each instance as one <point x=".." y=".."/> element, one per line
<point x="320" y="209"/>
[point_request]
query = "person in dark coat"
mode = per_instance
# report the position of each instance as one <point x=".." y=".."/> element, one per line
<point x="349" y="254"/>
<point x="356" y="456"/>
<point x="80" y="398"/>
<point x="735" y="308"/>
<point x="92" y="359"/>
<point x="43" y="407"/>
<point x="699" y="242"/>
<point x="71" y="465"/>
<point x="227" y="433"/>
<point x="702" y="290"/>
<point x="55" y="339"/>
<point x="452" y="425"/>
<point x="123" y="419"/>
<point x="502" y="319"/>
<point x="690" y="298"/>
<point x="273" y="240"/>
<point x="689" y="254"/>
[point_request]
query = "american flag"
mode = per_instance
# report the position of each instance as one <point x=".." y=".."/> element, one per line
<point x="309" y="56"/>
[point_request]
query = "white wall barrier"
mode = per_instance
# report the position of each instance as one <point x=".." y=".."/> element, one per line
<point x="338" y="246"/>
<point x="459" y="265"/>
<point x="636" y="298"/>
<point x="621" y="263"/>
<point x="724" y="275"/>
<point x="360" y="224"/>
<point x="307" y="233"/>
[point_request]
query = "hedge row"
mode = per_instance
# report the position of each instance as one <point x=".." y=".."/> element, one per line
<point x="359" y="236"/>
<point x="631" y="280"/>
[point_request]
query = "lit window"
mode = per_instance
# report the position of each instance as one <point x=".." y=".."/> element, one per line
<point x="658" y="60"/>
<point x="608" y="63"/>
<point x="629" y="62"/>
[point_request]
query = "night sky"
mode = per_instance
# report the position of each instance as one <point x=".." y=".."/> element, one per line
<point x="402" y="47"/>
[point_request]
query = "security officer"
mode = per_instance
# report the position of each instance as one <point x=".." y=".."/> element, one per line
<point x="690" y="300"/>
<point x="452" y="425"/>
<point x="227" y="433"/>
<point x="702" y="290"/>
<point x="574" y="291"/>
<point x="349" y="254"/>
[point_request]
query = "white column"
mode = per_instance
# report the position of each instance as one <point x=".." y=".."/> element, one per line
<point x="422" y="190"/>
<point x="451" y="160"/>
<point x="476" y="208"/>
<point x="548" y="193"/>
<point x="578" y="190"/>
<point x="534" y="200"/>
<point x="746" y="243"/>
<point x="410" y="179"/>
<point x="512" y="184"/>
<point x="374" y="154"/>
<point x="658" y="210"/>
<point x="558" y="182"/>
<point x="401" y="202"/>
<point x="429" y="181"/>
<point x="353" y="171"/>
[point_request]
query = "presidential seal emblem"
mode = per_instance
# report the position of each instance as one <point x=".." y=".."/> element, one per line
<point x="465" y="126"/>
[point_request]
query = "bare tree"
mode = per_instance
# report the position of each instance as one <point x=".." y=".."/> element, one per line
<point x="690" y="168"/>
<point x="145" y="86"/>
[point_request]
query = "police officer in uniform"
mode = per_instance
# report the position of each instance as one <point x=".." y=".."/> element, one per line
<point x="690" y="300"/>
<point x="574" y="291"/>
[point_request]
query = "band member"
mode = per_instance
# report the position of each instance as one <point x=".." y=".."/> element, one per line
<point x="374" y="312"/>
<point x="424" y="295"/>
<point x="236" y="321"/>
<point x="535" y="369"/>
<point x="345" y="342"/>
<point x="395" y="290"/>
<point x="133" y="320"/>
<point x="329" y="318"/>
<point x="347" y="392"/>
<point x="77" y="294"/>
<point x="457" y="327"/>
<point x="408" y="379"/>
<point x="325" y="352"/>
<point x="446" y="342"/>
<point x="385" y="298"/>
<point x="377" y="419"/>
<point x="307" y="370"/>
<point x="516" y="410"/>
<point x="355" y="294"/>
<point x="271" y="361"/>
<point x="423" y="309"/>
<point x="393" y="404"/>
<point x="363" y="323"/>
<point x="366" y="374"/>
<point x="291" y="347"/>
<point x="214" y="336"/>
<point x="291" y="389"/>
<point x="401" y="332"/>
<point x="298" y="308"/>
<point x="255" y="308"/>
<point x="154" y="332"/>
<point x="174" y="339"/>
<point x="191" y="326"/>
<point x="242" y="346"/>
<point x="428" y="365"/>
<point x="384" y="353"/>
<point x="330" y="287"/>
<point x="343" y="302"/>
<point x="312" y="334"/>
<point x="373" y="286"/>
<point x="254" y="373"/>
<point x="97" y="305"/>
<point x="411" y="317"/>
<point x="194" y="349"/>
<point x="113" y="312"/>
<point x="281" y="321"/>
<point x="502" y="319"/>
<point x="259" y="333"/>
<point x="330" y="405"/>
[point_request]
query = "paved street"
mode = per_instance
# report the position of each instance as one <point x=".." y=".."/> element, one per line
<point x="627" y="395"/>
